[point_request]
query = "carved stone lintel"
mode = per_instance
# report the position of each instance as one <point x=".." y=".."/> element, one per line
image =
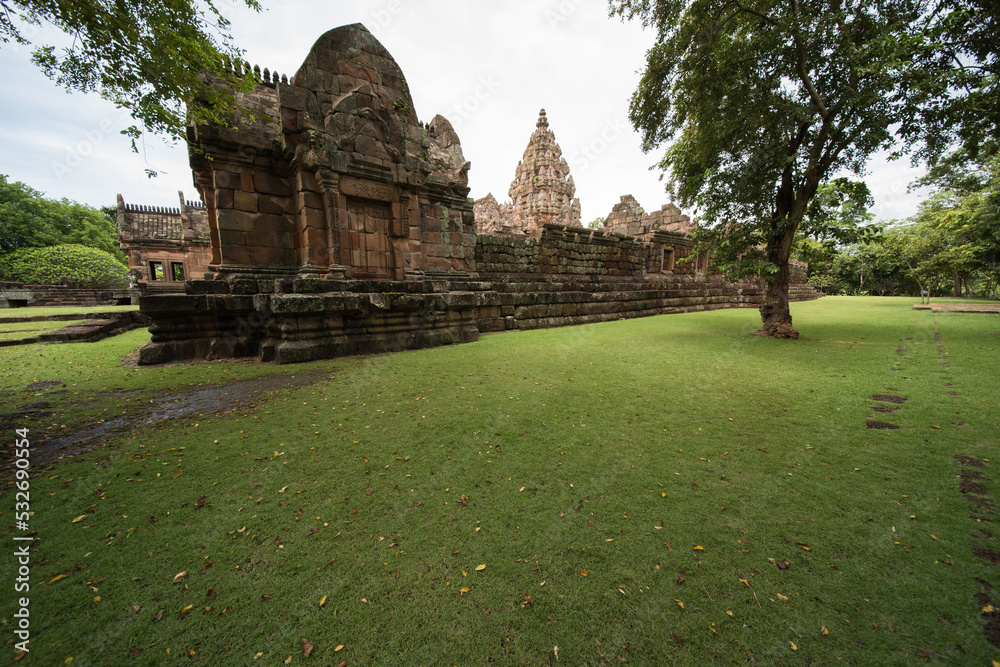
<point x="356" y="187"/>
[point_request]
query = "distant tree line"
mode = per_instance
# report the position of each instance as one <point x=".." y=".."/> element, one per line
<point x="951" y="247"/>
<point x="43" y="240"/>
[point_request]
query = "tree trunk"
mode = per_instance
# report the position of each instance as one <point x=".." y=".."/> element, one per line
<point x="775" y="313"/>
<point x="958" y="285"/>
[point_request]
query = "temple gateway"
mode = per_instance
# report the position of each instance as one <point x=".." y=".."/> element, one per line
<point x="339" y="223"/>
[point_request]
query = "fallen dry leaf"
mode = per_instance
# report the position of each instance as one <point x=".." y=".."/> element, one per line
<point x="803" y="546"/>
<point x="185" y="610"/>
<point x="679" y="603"/>
<point x="57" y="578"/>
<point x="583" y="573"/>
<point x="794" y="647"/>
<point x="158" y="615"/>
<point x="680" y="577"/>
<point x="79" y="518"/>
<point x="698" y="547"/>
<point x="824" y="631"/>
<point x="463" y="591"/>
<point x="179" y="576"/>
<point x="307" y="647"/>
<point x="339" y="647"/>
<point x="322" y="601"/>
<point x="781" y="597"/>
<point x="210" y="594"/>
<point x="480" y="568"/>
<point x="783" y="565"/>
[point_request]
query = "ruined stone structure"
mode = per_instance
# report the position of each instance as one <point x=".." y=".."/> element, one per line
<point x="628" y="217"/>
<point x="335" y="177"/>
<point x="542" y="191"/>
<point x="166" y="245"/>
<point x="340" y="224"/>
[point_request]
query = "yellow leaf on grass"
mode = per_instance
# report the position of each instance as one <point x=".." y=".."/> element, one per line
<point x="679" y="603"/>
<point x="339" y="646"/>
<point x="288" y="660"/>
<point x="322" y="601"/>
<point x="179" y="576"/>
<point x="794" y="647"/>
<point x="555" y="649"/>
<point x="935" y="537"/>
<point x="79" y="518"/>
<point x="464" y="591"/>
<point x="97" y="598"/>
<point x="57" y="578"/>
<point x="825" y="631"/>
<point x="583" y="573"/>
<point x="187" y="609"/>
<point x="69" y="661"/>
<point x="698" y="547"/>
<point x="729" y="612"/>
<point x="988" y="609"/>
<point x="257" y="657"/>
<point x="781" y="597"/>
<point x="480" y="568"/>
<point x="282" y="489"/>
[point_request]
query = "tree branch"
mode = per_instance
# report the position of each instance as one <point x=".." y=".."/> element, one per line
<point x="800" y="56"/>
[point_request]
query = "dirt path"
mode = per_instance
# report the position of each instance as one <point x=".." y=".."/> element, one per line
<point x="209" y="400"/>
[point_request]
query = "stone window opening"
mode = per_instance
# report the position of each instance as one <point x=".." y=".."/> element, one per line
<point x="156" y="271"/>
<point x="177" y="271"/>
<point x="667" y="260"/>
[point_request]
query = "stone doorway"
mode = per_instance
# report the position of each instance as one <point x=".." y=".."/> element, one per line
<point x="365" y="241"/>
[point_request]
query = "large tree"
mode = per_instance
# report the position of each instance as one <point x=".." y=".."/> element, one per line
<point x="146" y="56"/>
<point x="761" y="102"/>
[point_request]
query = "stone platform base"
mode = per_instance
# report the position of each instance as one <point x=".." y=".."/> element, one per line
<point x="293" y="320"/>
<point x="289" y="321"/>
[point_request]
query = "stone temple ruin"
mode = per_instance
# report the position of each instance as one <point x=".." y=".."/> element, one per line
<point x="340" y="224"/>
<point x="165" y="245"/>
<point x="542" y="191"/>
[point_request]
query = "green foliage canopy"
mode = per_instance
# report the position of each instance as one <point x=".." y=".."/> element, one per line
<point x="952" y="84"/>
<point x="148" y="57"/>
<point x="29" y="220"/>
<point x="85" y="267"/>
<point x="761" y="102"/>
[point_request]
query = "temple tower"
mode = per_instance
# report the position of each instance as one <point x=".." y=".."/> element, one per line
<point x="543" y="190"/>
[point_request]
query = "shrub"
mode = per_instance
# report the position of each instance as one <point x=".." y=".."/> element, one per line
<point x="85" y="267"/>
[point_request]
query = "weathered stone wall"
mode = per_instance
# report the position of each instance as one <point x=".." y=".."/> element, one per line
<point x="515" y="304"/>
<point x="560" y="250"/>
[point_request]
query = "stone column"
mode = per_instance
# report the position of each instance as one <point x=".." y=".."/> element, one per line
<point x="329" y="198"/>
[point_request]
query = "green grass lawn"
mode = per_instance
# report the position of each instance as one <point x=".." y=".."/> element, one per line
<point x="18" y="330"/>
<point x="623" y="491"/>
<point x="35" y="311"/>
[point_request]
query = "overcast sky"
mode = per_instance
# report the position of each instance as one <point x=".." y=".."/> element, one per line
<point x="487" y="67"/>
